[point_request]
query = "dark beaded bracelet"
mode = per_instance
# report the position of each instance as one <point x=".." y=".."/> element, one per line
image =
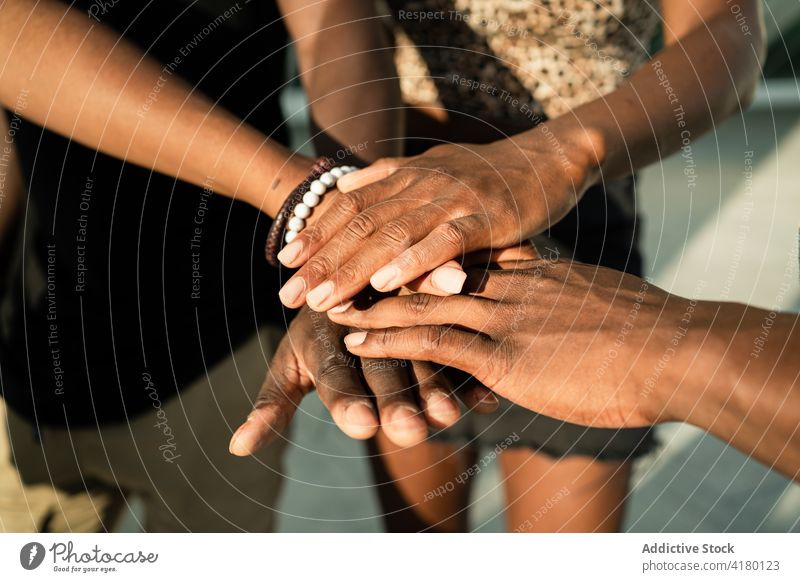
<point x="274" y="242"/>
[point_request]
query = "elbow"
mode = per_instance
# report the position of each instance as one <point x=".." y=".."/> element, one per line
<point x="746" y="97"/>
<point x="757" y="52"/>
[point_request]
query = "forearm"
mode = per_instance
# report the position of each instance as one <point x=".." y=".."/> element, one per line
<point x="347" y="69"/>
<point x="743" y="384"/>
<point x="78" y="79"/>
<point x="12" y="189"/>
<point x="694" y="83"/>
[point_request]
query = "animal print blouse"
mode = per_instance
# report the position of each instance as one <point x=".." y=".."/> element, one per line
<point x="518" y="59"/>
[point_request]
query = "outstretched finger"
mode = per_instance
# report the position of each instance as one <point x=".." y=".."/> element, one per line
<point x="475" y="313"/>
<point x="473" y="353"/>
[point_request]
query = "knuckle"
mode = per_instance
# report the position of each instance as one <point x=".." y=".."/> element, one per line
<point x="418" y="304"/>
<point x="319" y="267"/>
<point x="432" y="339"/>
<point x="386" y="338"/>
<point x="438" y="178"/>
<point x="396" y="232"/>
<point x="360" y="227"/>
<point x="439" y="172"/>
<point x="452" y="234"/>
<point x="330" y="375"/>
<point x="499" y="365"/>
<point x="350" y="273"/>
<point x="313" y="236"/>
<point x="350" y="203"/>
<point x="415" y="257"/>
<point x="381" y="367"/>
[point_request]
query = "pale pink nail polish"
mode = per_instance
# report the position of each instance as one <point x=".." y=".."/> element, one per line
<point x="292" y="291"/>
<point x="290" y="252"/>
<point x="449" y="279"/>
<point x="319" y="294"/>
<point x="355" y="339"/>
<point x="383" y="279"/>
<point x="341" y="308"/>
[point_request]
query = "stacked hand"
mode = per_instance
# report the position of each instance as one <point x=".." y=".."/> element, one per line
<point x="403" y="397"/>
<point x="576" y="342"/>
<point x="402" y="218"/>
<point x="362" y="394"/>
<point x="399" y="223"/>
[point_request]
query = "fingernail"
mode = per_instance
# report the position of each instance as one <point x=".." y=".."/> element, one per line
<point x="440" y="404"/>
<point x="233" y="446"/>
<point x="489" y="398"/>
<point x="355" y="339"/>
<point x="359" y="414"/>
<point x="407" y="426"/>
<point x="343" y="183"/>
<point x="384" y="277"/>
<point x="290" y="252"/>
<point x="291" y="292"/>
<point x="449" y="279"/>
<point x="404" y="414"/>
<point x="341" y="308"/>
<point x="319" y="293"/>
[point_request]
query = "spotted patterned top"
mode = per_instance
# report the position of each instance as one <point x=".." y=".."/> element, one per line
<point x="518" y="59"/>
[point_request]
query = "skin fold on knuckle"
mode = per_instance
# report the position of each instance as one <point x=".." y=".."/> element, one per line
<point x="379" y="370"/>
<point x="352" y="273"/>
<point x="498" y="366"/>
<point x="361" y="227"/>
<point x="318" y="268"/>
<point x="432" y="339"/>
<point x="332" y="382"/>
<point x="396" y="233"/>
<point x="313" y="236"/>
<point x="417" y="305"/>
<point x="451" y="235"/>
<point x="350" y="203"/>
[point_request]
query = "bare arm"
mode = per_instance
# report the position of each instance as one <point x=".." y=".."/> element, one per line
<point x="347" y="69"/>
<point x="706" y="72"/>
<point x="401" y="218"/>
<point x="744" y="384"/>
<point x="82" y="81"/>
<point x="596" y="347"/>
<point x="12" y="190"/>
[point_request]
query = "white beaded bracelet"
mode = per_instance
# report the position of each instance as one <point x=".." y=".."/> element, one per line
<point x="312" y="198"/>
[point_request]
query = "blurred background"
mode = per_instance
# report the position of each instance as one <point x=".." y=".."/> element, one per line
<point x="734" y="236"/>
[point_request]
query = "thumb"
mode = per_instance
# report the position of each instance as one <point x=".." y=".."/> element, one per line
<point x="281" y="393"/>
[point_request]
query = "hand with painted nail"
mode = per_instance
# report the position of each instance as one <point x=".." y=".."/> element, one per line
<point x="362" y="394"/>
<point x="401" y="218"/>
<point x="544" y="335"/>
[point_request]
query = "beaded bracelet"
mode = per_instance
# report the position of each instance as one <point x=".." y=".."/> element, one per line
<point x="291" y="218"/>
<point x="312" y="198"/>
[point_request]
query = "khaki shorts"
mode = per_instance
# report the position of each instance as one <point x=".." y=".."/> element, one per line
<point x="175" y="458"/>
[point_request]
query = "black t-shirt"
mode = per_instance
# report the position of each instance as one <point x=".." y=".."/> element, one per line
<point x="125" y="280"/>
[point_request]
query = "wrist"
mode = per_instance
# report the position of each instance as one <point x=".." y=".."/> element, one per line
<point x="697" y="377"/>
<point x="582" y="149"/>
<point x="266" y="186"/>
